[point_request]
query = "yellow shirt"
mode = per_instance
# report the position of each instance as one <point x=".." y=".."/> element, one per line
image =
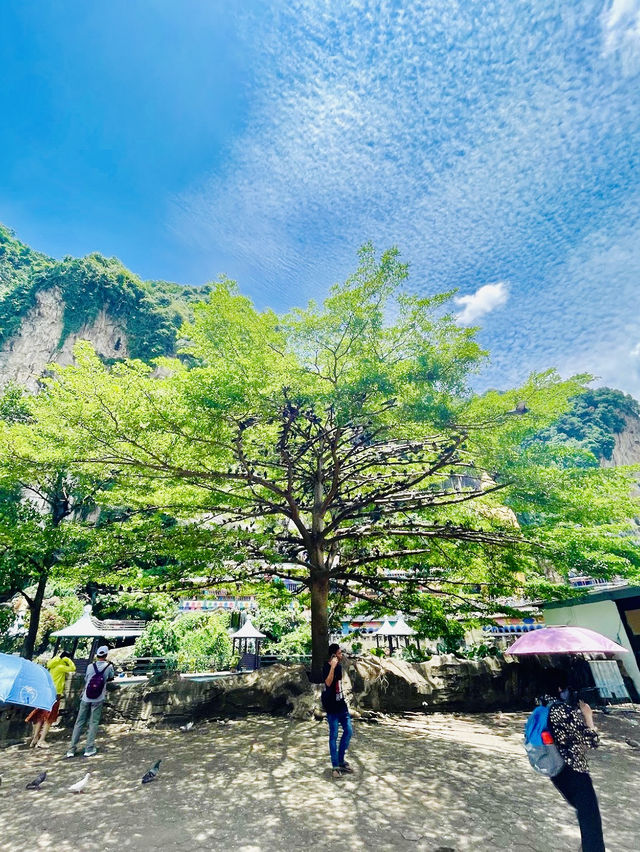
<point x="59" y="668"/>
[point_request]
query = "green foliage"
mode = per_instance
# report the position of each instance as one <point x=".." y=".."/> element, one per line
<point x="295" y="643"/>
<point x="137" y="605"/>
<point x="204" y="642"/>
<point x="17" y="261"/>
<point x="151" y="313"/>
<point x="481" y="651"/>
<point x="158" y="640"/>
<point x="197" y="642"/>
<point x="412" y="654"/>
<point x="67" y="610"/>
<point x="8" y="644"/>
<point x="330" y="445"/>
<point x="280" y="617"/>
<point x="595" y="418"/>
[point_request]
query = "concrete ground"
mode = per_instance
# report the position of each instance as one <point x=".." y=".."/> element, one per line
<point x="262" y="784"/>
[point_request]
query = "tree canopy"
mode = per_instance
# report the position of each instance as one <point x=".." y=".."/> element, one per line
<point x="339" y="445"/>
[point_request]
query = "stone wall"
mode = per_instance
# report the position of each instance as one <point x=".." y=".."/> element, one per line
<point x="371" y="685"/>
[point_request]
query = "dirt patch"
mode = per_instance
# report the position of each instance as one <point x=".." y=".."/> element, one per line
<point x="424" y="783"/>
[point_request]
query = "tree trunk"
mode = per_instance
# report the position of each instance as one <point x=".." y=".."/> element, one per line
<point x="319" y="622"/>
<point x="35" y="608"/>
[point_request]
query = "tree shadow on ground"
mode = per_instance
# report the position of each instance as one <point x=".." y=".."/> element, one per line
<point x="261" y="783"/>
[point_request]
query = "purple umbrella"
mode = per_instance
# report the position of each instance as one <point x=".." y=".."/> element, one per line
<point x="565" y="640"/>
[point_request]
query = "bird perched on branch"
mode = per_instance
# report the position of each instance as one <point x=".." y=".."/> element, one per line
<point x="152" y="773"/>
<point x="37" y="781"/>
<point x="521" y="408"/>
<point x="79" y="786"/>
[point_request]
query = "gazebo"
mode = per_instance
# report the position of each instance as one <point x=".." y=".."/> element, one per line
<point x="246" y="637"/>
<point x="89" y="627"/>
<point x="393" y="633"/>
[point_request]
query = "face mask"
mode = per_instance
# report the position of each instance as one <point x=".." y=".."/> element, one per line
<point x="564" y="694"/>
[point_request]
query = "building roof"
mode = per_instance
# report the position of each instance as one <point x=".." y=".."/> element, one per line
<point x="248" y="631"/>
<point x="89" y="626"/>
<point x="594" y="597"/>
<point x="400" y="628"/>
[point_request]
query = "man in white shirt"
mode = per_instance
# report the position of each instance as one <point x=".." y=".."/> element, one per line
<point x="95" y="689"/>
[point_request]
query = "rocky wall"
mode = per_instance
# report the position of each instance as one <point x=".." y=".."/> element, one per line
<point x="371" y="685"/>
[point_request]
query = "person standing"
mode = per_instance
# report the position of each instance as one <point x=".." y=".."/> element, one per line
<point x="337" y="712"/>
<point x="95" y="689"/>
<point x="42" y="720"/>
<point x="573" y="732"/>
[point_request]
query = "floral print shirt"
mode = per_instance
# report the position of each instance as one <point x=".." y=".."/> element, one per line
<point x="571" y="735"/>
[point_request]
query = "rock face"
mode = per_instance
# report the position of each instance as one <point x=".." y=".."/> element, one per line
<point x="25" y="357"/>
<point x="627" y="445"/>
<point x="443" y="683"/>
<point x="371" y="685"/>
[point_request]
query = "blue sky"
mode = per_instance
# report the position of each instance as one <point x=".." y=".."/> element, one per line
<point x="497" y="143"/>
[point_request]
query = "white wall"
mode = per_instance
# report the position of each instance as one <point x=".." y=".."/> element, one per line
<point x="604" y="617"/>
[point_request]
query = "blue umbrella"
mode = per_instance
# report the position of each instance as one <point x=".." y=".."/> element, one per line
<point x="26" y="683"/>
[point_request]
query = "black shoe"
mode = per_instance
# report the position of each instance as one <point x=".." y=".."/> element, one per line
<point x="346" y="768"/>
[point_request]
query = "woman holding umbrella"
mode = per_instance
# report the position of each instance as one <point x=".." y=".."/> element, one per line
<point x="42" y="720"/>
<point x="572" y="729"/>
<point x="573" y="733"/>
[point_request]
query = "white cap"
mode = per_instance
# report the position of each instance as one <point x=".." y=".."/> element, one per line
<point x="102" y="651"/>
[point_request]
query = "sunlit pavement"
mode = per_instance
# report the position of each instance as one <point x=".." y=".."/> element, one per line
<point x="259" y="784"/>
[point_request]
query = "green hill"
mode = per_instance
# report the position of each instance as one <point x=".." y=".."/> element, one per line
<point x="597" y="416"/>
<point x="150" y="312"/>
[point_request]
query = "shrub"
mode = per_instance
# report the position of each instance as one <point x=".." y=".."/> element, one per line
<point x="413" y="654"/>
<point x="158" y="640"/>
<point x="203" y="642"/>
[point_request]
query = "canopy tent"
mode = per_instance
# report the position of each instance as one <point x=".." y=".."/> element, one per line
<point x="90" y="627"/>
<point x="248" y="636"/>
<point x="389" y="632"/>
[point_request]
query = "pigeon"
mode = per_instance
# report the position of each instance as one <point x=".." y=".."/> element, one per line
<point x="37" y="781"/>
<point x="186" y="727"/>
<point x="151" y="774"/>
<point x="633" y="743"/>
<point x="521" y="408"/>
<point x="79" y="786"/>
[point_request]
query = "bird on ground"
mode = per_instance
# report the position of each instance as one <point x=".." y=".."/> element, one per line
<point x="186" y="727"/>
<point x="79" y="786"/>
<point x="151" y="774"/>
<point x="633" y="743"/>
<point x="37" y="781"/>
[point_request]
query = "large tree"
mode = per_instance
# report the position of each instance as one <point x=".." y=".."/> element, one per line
<point x="332" y="445"/>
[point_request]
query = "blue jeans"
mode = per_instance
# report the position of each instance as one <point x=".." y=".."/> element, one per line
<point x="335" y="720"/>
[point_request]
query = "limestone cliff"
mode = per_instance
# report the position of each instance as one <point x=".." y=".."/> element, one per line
<point x="39" y="341"/>
<point x="47" y="305"/>
<point x="626" y="450"/>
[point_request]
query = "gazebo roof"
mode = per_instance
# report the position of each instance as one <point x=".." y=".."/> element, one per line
<point x="89" y="626"/>
<point x="400" y="628"/>
<point x="385" y="628"/>
<point x="248" y="631"/>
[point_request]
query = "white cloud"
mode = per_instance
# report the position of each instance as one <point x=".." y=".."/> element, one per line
<point x="621" y="29"/>
<point x="485" y="147"/>
<point x="486" y="299"/>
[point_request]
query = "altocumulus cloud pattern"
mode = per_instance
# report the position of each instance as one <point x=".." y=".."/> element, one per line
<point x="496" y="143"/>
